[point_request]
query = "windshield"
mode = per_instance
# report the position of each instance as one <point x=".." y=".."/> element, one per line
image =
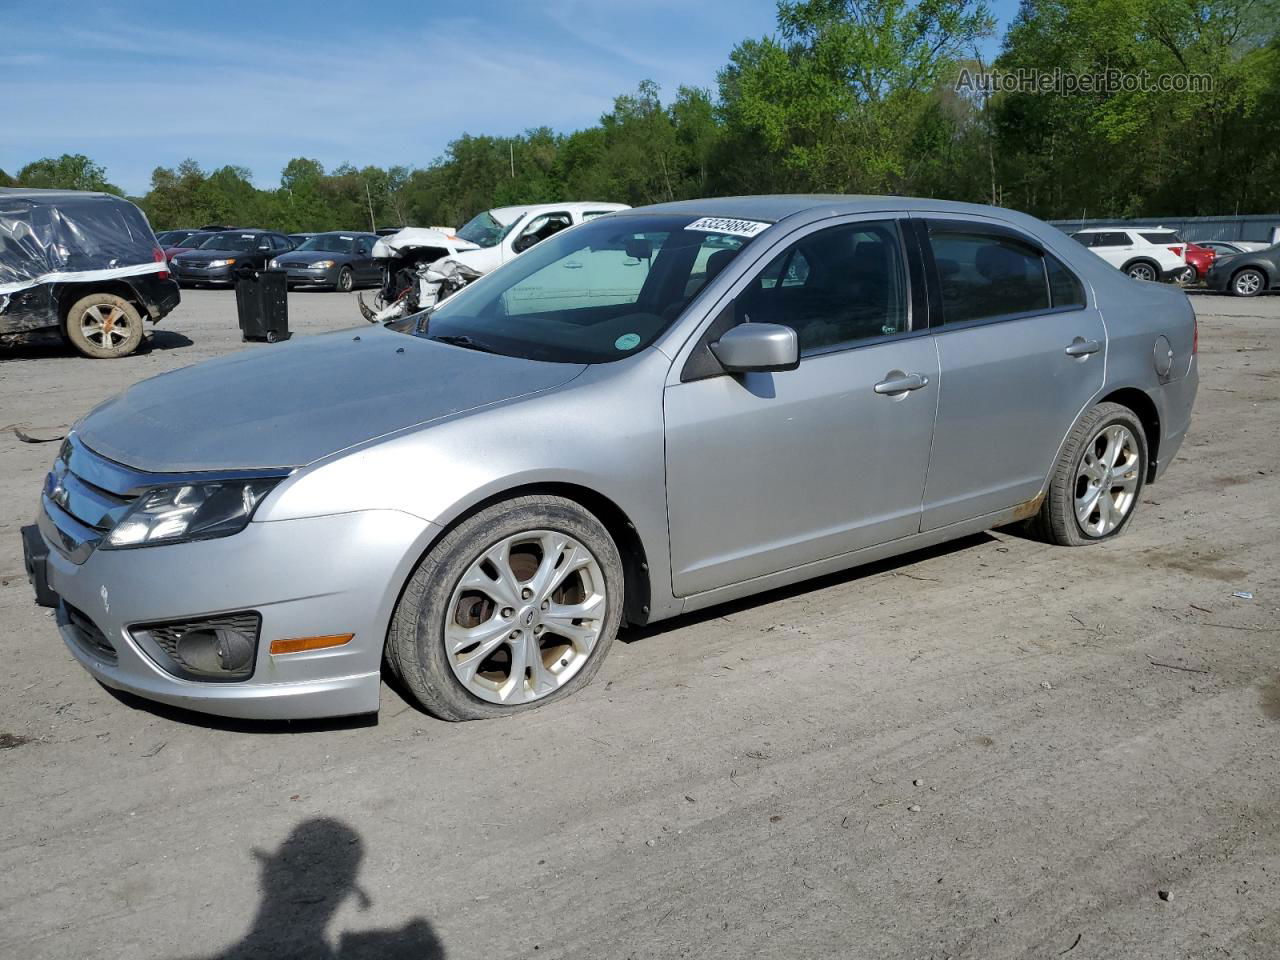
<point x="330" y="243"/>
<point x="484" y="231"/>
<point x="233" y="240"/>
<point x="599" y="292"/>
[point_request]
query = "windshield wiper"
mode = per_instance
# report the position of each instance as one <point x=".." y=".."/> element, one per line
<point x="462" y="340"/>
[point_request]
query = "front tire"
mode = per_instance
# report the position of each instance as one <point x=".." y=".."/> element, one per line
<point x="346" y="280"/>
<point x="513" y="609"/>
<point x="1097" y="480"/>
<point x="103" y="326"/>
<point x="1248" y="283"/>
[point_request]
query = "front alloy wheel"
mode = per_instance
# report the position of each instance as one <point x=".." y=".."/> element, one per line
<point x="514" y="608"/>
<point x="525" y="617"/>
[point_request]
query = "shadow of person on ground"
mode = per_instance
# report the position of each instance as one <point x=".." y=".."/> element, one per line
<point x="302" y="885"/>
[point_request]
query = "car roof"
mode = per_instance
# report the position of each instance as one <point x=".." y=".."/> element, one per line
<point x="36" y="195"/>
<point x="777" y="207"/>
<point x="505" y="215"/>
<point x="336" y="233"/>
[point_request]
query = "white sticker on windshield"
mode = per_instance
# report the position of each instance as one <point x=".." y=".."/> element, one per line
<point x="734" y="228"/>
<point x="344" y="237"/>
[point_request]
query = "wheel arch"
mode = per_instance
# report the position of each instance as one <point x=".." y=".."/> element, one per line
<point x="1148" y="415"/>
<point x="631" y="549"/>
<point x="1147" y="260"/>
<point x="1266" y="276"/>
<point x="71" y="292"/>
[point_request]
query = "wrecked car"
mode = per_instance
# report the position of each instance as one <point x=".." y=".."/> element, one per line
<point x="79" y="266"/>
<point x="414" y="279"/>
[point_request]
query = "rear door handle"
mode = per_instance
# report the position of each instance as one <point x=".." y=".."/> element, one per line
<point x="1080" y="347"/>
<point x="899" y="382"/>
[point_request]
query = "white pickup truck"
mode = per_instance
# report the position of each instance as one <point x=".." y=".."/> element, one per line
<point x="484" y="243"/>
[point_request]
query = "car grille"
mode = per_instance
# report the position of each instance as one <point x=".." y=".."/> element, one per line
<point x="87" y="633"/>
<point x="85" y="496"/>
<point x="295" y="265"/>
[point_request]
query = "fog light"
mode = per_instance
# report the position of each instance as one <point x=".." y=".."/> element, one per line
<point x="217" y="648"/>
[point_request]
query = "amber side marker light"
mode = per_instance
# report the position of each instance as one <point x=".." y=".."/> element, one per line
<point x="302" y="644"/>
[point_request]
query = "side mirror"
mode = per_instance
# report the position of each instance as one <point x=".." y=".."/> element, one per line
<point x="638" y="248"/>
<point x="758" y="347"/>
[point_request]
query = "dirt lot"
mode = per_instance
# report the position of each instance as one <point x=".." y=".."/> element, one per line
<point x="996" y="749"/>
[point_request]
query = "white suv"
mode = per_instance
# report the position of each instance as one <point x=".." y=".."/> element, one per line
<point x="1144" y="253"/>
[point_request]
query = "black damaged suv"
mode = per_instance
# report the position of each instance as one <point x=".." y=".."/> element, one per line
<point x="82" y="266"/>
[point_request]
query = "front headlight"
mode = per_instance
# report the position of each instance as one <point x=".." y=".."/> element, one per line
<point x="273" y="264"/>
<point x="322" y="265"/>
<point x="220" y="263"/>
<point x="190" y="512"/>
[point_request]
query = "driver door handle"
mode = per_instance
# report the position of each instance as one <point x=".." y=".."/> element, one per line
<point x="1081" y="347"/>
<point x="900" y="383"/>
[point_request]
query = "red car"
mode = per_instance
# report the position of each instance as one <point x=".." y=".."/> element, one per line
<point x="182" y="246"/>
<point x="1199" y="260"/>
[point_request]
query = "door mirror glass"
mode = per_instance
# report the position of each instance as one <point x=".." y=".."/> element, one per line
<point x="758" y="347"/>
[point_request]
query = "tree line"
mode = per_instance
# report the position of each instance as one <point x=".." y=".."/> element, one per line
<point x="847" y="96"/>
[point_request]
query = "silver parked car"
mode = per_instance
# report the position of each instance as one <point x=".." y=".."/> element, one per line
<point x="644" y="415"/>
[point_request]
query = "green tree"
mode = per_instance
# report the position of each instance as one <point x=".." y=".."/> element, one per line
<point x="835" y="103"/>
<point x="71" y="171"/>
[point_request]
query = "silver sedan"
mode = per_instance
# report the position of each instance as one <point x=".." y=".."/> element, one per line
<point x="647" y="414"/>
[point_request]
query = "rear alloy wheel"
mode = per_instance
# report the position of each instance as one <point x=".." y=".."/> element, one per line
<point x="346" y="280"/>
<point x="1097" y="479"/>
<point x="514" y="608"/>
<point x="1248" y="283"/>
<point x="104" y="326"/>
<point x="1187" y="276"/>
<point x="1142" y="271"/>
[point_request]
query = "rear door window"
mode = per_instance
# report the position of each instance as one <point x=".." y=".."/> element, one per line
<point x="986" y="276"/>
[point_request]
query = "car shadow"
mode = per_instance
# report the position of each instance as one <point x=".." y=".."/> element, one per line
<point x="302" y="885"/>
<point x="164" y="340"/>
<point x="236" y="724"/>
<point x="634" y="634"/>
<point x="56" y="348"/>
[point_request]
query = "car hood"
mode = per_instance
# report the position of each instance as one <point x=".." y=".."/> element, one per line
<point x="291" y="404"/>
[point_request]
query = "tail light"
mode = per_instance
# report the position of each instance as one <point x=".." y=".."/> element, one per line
<point x="158" y="256"/>
<point x="1195" y="336"/>
<point x="1176" y="251"/>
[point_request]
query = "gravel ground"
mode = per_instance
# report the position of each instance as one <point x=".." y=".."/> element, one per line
<point x="992" y="749"/>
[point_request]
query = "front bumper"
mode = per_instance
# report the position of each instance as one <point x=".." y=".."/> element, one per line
<point x="305" y="276"/>
<point x="312" y="577"/>
<point x="197" y="274"/>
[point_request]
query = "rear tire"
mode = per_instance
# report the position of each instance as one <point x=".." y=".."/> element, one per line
<point x="458" y="591"/>
<point x="1143" y="270"/>
<point x="1248" y="283"/>
<point x="103" y="326"/>
<point x="1097" y="479"/>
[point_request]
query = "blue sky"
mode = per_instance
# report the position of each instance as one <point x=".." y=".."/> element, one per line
<point x="141" y="85"/>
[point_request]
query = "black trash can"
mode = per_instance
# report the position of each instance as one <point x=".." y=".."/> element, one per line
<point x="262" y="304"/>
